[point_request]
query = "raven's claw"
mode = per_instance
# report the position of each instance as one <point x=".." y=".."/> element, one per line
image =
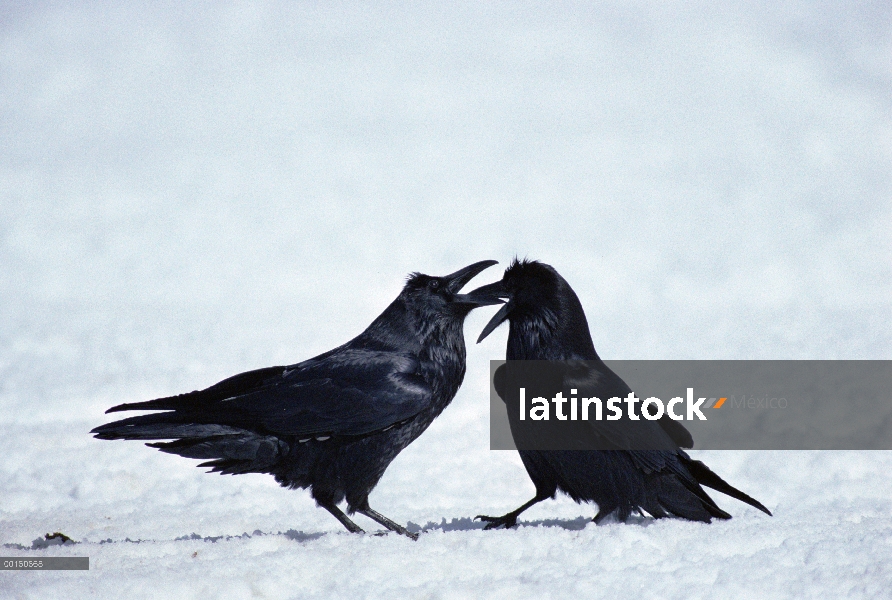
<point x="506" y="521"/>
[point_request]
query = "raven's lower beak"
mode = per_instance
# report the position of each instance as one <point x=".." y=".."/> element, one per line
<point x="457" y="280"/>
<point x="494" y="293"/>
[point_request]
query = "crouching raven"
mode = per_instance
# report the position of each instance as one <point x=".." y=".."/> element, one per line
<point x="547" y="323"/>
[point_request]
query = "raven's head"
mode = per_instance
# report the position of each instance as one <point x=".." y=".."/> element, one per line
<point x="547" y="319"/>
<point x="532" y="289"/>
<point x="438" y="296"/>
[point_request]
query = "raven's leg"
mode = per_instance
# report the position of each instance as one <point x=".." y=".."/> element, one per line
<point x="605" y="512"/>
<point x="376" y="516"/>
<point x="510" y="519"/>
<point x="338" y="514"/>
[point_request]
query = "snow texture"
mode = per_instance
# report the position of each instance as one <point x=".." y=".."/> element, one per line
<point x="190" y="192"/>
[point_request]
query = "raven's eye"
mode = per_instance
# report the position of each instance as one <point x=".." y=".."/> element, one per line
<point x="433" y="285"/>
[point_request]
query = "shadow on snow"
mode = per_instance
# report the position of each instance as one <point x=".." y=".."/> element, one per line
<point x="454" y="524"/>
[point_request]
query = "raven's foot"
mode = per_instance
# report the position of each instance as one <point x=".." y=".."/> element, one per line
<point x="392" y="526"/>
<point x="506" y="521"/>
<point x="602" y="514"/>
<point x="510" y="519"/>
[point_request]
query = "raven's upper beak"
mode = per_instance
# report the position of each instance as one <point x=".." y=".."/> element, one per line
<point x="457" y="281"/>
<point x="493" y="294"/>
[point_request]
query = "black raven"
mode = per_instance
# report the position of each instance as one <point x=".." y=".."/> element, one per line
<point x="546" y="322"/>
<point x="332" y="423"/>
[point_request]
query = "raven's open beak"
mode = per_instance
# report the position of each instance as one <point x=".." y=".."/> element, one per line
<point x="494" y="293"/>
<point x="457" y="281"/>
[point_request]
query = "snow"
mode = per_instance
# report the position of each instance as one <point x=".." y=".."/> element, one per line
<point x="186" y="194"/>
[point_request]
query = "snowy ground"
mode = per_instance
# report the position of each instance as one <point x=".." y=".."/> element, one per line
<point x="188" y="194"/>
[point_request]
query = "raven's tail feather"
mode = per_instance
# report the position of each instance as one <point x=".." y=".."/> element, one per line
<point x="231" y="450"/>
<point x="159" y="426"/>
<point x="231" y="454"/>
<point x="705" y="476"/>
<point x="667" y="492"/>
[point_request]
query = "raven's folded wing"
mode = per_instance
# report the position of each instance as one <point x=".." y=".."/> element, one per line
<point x="346" y="391"/>
<point x="584" y="379"/>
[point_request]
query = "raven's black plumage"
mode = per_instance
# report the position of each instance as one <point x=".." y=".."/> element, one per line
<point x="332" y="423"/>
<point x="546" y="322"/>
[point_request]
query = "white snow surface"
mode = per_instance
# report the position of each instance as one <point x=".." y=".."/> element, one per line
<point x="188" y="192"/>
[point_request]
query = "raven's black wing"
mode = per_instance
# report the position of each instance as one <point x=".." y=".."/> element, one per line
<point x="595" y="379"/>
<point x="347" y="391"/>
<point x="582" y="379"/>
